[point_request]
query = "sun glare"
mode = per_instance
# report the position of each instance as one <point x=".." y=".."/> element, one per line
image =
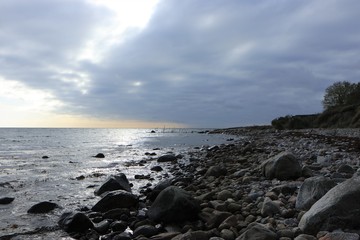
<point x="127" y="14"/>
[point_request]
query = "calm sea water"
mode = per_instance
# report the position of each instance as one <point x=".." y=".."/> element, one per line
<point x="65" y="176"/>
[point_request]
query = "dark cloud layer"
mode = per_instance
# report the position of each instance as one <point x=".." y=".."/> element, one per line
<point x="201" y="63"/>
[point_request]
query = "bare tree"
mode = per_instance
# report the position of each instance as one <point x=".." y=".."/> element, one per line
<point x="338" y="94"/>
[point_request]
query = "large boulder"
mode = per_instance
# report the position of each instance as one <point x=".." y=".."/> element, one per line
<point x="114" y="182"/>
<point x="312" y="190"/>
<point x="174" y="205"/>
<point x="283" y="166"/>
<point x="338" y="208"/>
<point x="116" y="199"/>
<point x="167" y="158"/>
<point x="75" y="222"/>
<point x="43" y="207"/>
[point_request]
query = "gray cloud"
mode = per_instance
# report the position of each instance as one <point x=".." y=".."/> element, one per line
<point x="203" y="63"/>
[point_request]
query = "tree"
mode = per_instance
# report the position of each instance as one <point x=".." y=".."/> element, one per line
<point x="339" y="94"/>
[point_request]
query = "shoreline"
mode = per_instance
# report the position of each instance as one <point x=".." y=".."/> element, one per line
<point x="232" y="201"/>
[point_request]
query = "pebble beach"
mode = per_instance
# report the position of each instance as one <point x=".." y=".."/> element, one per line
<point x="267" y="184"/>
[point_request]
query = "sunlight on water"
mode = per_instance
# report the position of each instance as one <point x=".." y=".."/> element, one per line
<point x="68" y="174"/>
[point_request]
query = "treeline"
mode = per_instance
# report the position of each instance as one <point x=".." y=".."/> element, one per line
<point x="341" y="110"/>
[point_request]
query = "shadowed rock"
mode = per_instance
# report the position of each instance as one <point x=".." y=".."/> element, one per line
<point x="75" y="222"/>
<point x="43" y="207"/>
<point x="174" y="205"/>
<point x="283" y="166"/>
<point x="114" y="182"/>
<point x="6" y="200"/>
<point x="116" y="199"/>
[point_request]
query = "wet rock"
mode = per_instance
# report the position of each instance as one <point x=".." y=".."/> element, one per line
<point x="167" y="158"/>
<point x="75" y="222"/>
<point x="174" y="205"/>
<point x="283" y="166"/>
<point x="158" y="188"/>
<point x="312" y="190"/>
<point x="118" y="226"/>
<point x="338" y="208"/>
<point x="257" y="231"/>
<point x="45" y="157"/>
<point x="146" y="231"/>
<point x="102" y="227"/>
<point x="6" y="200"/>
<point x="114" y="182"/>
<point x="43" y="207"/>
<point x="99" y="155"/>
<point x="156" y="169"/>
<point x="116" y="199"/>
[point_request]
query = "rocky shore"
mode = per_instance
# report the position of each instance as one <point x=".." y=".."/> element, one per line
<point x="270" y="184"/>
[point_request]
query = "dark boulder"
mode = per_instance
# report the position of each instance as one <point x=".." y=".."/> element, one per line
<point x="75" y="222"/>
<point x="167" y="158"/>
<point x="116" y="199"/>
<point x="156" y="169"/>
<point x="312" y="190"/>
<point x="114" y="182"/>
<point x="146" y="231"/>
<point x="43" y="207"/>
<point x="174" y="205"/>
<point x="99" y="155"/>
<point x="283" y="166"/>
<point x="6" y="200"/>
<point x="338" y="208"/>
<point x="158" y="188"/>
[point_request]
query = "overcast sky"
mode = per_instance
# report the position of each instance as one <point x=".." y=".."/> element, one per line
<point x="197" y="63"/>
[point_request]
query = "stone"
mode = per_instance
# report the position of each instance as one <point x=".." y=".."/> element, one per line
<point x="257" y="231"/>
<point x="99" y="155"/>
<point x="118" y="226"/>
<point x="114" y="182"/>
<point x="269" y="208"/>
<point x="75" y="222"/>
<point x="283" y="166"/>
<point x="116" y="199"/>
<point x="102" y="227"/>
<point x="146" y="231"/>
<point x="216" y="171"/>
<point x="305" y="237"/>
<point x="224" y="195"/>
<point x="340" y="236"/>
<point x="156" y="169"/>
<point x="173" y="205"/>
<point x="312" y="190"/>
<point x="345" y="168"/>
<point x="158" y="188"/>
<point x="227" y="234"/>
<point x="167" y="158"/>
<point x="6" y="200"/>
<point x="338" y="208"/>
<point x="214" y="219"/>
<point x="43" y="207"/>
<point x="165" y="236"/>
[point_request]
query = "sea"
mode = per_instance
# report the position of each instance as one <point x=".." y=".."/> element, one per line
<point x="58" y="165"/>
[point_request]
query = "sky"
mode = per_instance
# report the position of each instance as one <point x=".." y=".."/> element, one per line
<point x="155" y="63"/>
